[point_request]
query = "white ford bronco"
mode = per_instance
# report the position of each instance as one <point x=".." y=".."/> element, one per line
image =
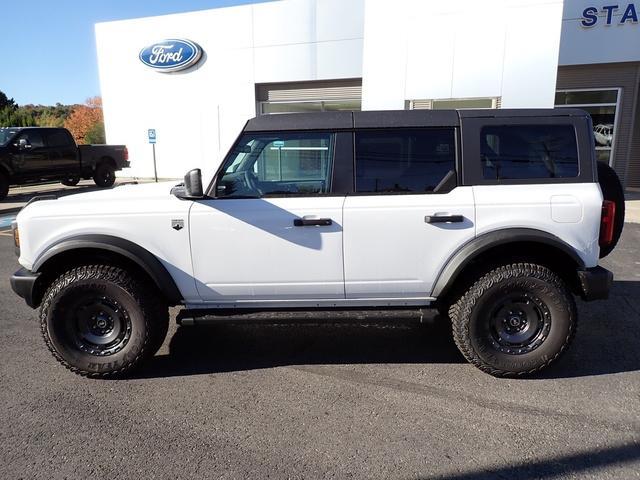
<point x="491" y="220"/>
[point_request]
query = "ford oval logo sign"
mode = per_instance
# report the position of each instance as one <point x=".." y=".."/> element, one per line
<point x="171" y="55"/>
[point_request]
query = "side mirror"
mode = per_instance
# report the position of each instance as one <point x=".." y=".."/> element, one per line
<point x="193" y="183"/>
<point x="23" y="144"/>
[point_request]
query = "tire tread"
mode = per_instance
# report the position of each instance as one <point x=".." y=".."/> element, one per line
<point x="461" y="310"/>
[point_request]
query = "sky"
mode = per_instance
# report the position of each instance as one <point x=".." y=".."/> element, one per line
<point x="50" y="48"/>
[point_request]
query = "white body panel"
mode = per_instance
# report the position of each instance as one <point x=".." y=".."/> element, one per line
<point x="248" y="250"/>
<point x="570" y="211"/>
<point x="141" y="214"/>
<point x="391" y="252"/>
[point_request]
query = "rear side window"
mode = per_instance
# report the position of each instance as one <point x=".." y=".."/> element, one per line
<point x="403" y="160"/>
<point x="528" y="151"/>
<point x="58" y="138"/>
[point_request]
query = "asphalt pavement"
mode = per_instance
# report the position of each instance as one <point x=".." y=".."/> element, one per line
<point x="327" y="401"/>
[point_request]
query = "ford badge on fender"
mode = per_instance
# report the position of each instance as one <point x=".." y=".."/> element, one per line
<point x="171" y="55"/>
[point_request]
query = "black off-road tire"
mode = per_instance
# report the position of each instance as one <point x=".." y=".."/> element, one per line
<point x="612" y="190"/>
<point x="4" y="185"/>
<point x="71" y="181"/>
<point x="104" y="175"/>
<point x="479" y="329"/>
<point x="66" y="315"/>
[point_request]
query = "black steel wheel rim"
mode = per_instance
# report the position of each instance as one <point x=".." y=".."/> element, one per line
<point x="519" y="323"/>
<point x="107" y="175"/>
<point x="98" y="325"/>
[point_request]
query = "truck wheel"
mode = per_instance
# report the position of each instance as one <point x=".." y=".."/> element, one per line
<point x="515" y="320"/>
<point x="612" y="190"/>
<point x="105" y="175"/>
<point x="71" y="181"/>
<point x="4" y="185"/>
<point x="99" y="321"/>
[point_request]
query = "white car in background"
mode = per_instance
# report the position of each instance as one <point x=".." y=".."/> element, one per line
<point x="603" y="132"/>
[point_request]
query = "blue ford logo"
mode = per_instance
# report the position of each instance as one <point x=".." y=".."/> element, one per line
<point x="171" y="55"/>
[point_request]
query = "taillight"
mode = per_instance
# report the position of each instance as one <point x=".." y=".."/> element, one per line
<point x="126" y="154"/>
<point x="607" y="222"/>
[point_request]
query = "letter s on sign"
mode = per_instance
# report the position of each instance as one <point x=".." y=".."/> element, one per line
<point x="589" y="17"/>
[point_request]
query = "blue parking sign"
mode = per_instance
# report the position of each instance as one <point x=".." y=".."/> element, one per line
<point x="152" y="135"/>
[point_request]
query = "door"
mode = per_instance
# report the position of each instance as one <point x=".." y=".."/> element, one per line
<point x="407" y="216"/>
<point x="29" y="155"/>
<point x="273" y="232"/>
<point x="63" y="154"/>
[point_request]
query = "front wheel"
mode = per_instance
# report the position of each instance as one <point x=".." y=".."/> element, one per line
<point x="515" y="320"/>
<point x="99" y="321"/>
<point x="71" y="181"/>
<point x="105" y="175"/>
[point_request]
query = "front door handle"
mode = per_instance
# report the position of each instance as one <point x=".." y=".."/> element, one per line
<point x="444" y="218"/>
<point x="308" y="222"/>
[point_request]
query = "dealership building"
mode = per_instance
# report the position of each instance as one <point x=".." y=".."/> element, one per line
<point x="189" y="81"/>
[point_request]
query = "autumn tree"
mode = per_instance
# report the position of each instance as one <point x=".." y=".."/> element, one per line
<point x="83" y="119"/>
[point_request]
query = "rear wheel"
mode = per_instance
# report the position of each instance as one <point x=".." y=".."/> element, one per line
<point x="105" y="175"/>
<point x="99" y="321"/>
<point x="612" y="190"/>
<point x="71" y="181"/>
<point x="4" y="185"/>
<point x="515" y="320"/>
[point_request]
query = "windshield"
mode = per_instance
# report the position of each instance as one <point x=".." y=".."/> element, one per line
<point x="6" y="134"/>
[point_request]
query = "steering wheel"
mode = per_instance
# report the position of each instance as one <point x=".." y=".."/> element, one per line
<point x="251" y="181"/>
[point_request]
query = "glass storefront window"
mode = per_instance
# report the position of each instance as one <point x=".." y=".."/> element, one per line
<point x="603" y="106"/>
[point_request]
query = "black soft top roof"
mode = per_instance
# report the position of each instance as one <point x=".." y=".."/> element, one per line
<point x="393" y="118"/>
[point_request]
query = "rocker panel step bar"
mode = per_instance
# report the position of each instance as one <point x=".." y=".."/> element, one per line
<point x="327" y="315"/>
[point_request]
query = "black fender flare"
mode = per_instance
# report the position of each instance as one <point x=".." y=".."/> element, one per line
<point x="472" y="249"/>
<point x="133" y="252"/>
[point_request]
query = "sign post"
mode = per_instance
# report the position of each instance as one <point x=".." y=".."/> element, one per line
<point x="152" y="140"/>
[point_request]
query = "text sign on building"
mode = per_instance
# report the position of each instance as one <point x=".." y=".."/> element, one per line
<point x="171" y="55"/>
<point x="151" y="133"/>
<point x="609" y="15"/>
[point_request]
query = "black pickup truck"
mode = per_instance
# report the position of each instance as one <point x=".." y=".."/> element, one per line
<point x="32" y="155"/>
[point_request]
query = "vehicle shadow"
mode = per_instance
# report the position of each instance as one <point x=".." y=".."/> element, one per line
<point x="606" y="342"/>
<point x="607" y="338"/>
<point x="238" y="347"/>
<point x="555" y="467"/>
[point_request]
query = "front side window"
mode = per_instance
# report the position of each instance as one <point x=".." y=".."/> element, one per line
<point x="403" y="160"/>
<point x="33" y="138"/>
<point x="265" y="164"/>
<point x="528" y="152"/>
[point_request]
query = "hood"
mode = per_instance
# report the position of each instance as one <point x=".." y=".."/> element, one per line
<point x="124" y="192"/>
<point x="141" y="199"/>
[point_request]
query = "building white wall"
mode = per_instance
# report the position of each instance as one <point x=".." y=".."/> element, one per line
<point x="600" y="43"/>
<point x="429" y="49"/>
<point x="197" y="113"/>
<point x="403" y="50"/>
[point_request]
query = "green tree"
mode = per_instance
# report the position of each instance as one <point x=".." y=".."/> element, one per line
<point x="6" y="102"/>
<point x="96" y="134"/>
<point x="49" y="119"/>
<point x="12" y="117"/>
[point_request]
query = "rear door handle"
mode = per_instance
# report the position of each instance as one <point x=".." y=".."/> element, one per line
<point x="444" y="218"/>
<point x="309" y="222"/>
